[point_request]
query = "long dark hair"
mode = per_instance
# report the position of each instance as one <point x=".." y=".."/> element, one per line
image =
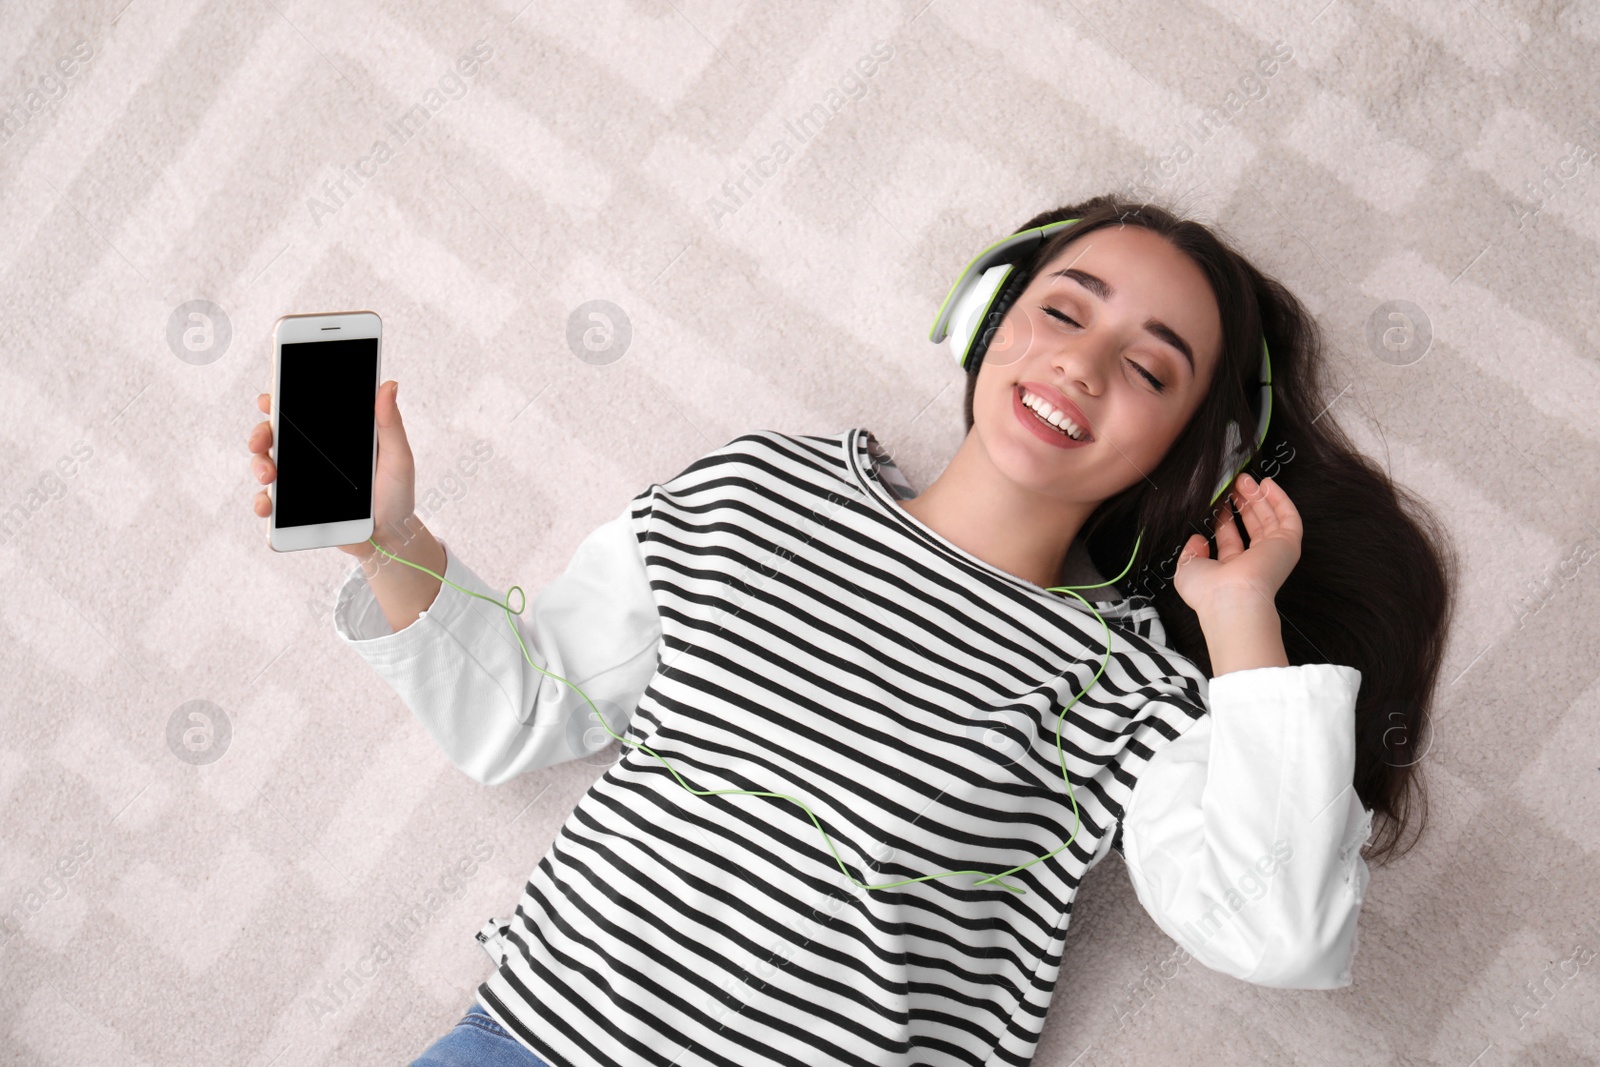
<point x="1375" y="585"/>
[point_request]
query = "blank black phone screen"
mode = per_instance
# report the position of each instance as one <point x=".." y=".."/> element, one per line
<point x="326" y="393"/>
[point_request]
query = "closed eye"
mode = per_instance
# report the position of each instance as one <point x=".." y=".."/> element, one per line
<point x="1152" y="379"/>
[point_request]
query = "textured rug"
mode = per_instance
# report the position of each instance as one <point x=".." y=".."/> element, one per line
<point x="216" y="818"/>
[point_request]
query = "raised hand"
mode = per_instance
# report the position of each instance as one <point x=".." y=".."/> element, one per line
<point x="1240" y="574"/>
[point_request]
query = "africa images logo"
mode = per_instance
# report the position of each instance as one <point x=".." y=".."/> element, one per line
<point x="798" y="134"/>
<point x="452" y="85"/>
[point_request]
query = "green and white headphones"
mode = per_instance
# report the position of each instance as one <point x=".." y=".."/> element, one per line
<point x="978" y="302"/>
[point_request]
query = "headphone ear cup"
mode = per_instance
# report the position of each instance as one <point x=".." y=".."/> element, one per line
<point x="980" y="297"/>
<point x="1237" y="452"/>
<point x="1235" y="457"/>
<point x="983" y="314"/>
<point x="965" y="332"/>
<point x="1009" y="292"/>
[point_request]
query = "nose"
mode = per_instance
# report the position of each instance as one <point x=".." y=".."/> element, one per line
<point x="1084" y="361"/>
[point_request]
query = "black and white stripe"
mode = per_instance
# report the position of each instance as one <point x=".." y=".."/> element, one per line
<point x="817" y="641"/>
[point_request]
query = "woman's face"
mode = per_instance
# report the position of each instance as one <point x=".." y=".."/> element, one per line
<point x="1126" y="308"/>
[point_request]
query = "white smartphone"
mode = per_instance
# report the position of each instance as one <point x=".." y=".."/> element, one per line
<point x="325" y="376"/>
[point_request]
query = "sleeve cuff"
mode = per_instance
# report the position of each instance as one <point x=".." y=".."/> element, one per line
<point x="1267" y="786"/>
<point x="359" y="620"/>
<point x="1268" y="690"/>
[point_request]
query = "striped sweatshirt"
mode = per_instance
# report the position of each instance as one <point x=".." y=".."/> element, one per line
<point x="778" y="631"/>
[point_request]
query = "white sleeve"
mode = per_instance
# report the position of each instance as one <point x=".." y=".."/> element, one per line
<point x="460" y="670"/>
<point x="1243" y="836"/>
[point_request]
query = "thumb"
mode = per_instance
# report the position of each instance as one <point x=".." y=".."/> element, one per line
<point x="391" y="431"/>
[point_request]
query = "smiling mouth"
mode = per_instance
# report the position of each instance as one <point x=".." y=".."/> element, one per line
<point x="1039" y="406"/>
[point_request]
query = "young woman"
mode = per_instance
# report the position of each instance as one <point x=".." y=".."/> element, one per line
<point x="871" y="745"/>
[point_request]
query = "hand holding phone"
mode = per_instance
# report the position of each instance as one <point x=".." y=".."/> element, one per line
<point x="336" y="462"/>
<point x="394" y="484"/>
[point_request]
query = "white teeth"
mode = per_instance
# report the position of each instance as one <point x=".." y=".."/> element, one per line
<point x="1050" y="415"/>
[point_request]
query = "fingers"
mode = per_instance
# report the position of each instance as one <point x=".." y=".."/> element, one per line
<point x="1247" y="497"/>
<point x="1285" y="515"/>
<point x="1250" y="496"/>
<point x="260" y="437"/>
<point x="262" y="469"/>
<point x="1226" y="532"/>
<point x="1194" y="548"/>
<point x="1264" y="506"/>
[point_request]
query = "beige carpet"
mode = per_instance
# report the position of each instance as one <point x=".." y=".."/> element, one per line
<point x="220" y="896"/>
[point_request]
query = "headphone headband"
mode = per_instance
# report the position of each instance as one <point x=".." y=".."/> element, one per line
<point x="978" y="301"/>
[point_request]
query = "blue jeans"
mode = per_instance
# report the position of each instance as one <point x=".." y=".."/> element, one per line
<point x="477" y="1041"/>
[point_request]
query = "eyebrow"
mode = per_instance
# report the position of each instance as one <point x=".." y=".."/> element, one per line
<point x="1099" y="287"/>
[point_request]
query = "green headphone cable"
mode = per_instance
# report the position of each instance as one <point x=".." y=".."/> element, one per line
<point x="995" y="879"/>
